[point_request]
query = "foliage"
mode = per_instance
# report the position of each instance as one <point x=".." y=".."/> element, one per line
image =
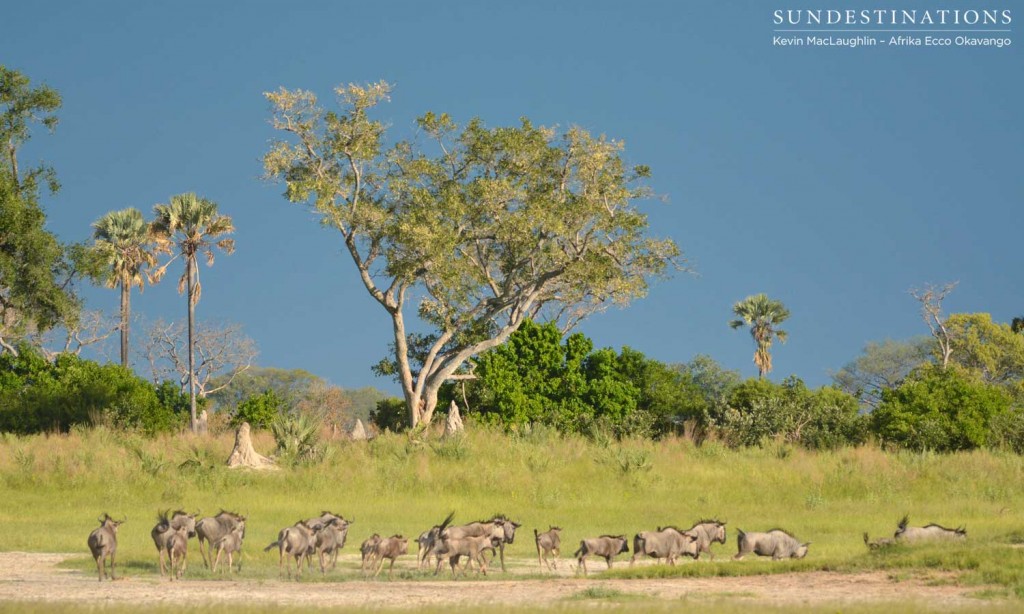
<point x="882" y="366"/>
<point x="939" y="409"/>
<point x="487" y="227"/>
<point x="390" y="415"/>
<point x="298" y="439"/>
<point x="714" y="385"/>
<point x="37" y="395"/>
<point x="763" y="315"/>
<point x="761" y="410"/>
<point x="290" y="386"/>
<point x="989" y="350"/>
<point x="260" y="410"/>
<point x="1007" y="430"/>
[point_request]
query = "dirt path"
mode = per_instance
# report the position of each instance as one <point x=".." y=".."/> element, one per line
<point x="36" y="577"/>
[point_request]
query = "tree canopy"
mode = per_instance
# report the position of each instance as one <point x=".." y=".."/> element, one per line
<point x="480" y="229"/>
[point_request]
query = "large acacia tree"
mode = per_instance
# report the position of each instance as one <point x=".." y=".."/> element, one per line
<point x="479" y="228"/>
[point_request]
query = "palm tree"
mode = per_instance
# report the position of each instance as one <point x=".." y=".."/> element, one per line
<point x="762" y="315"/>
<point x="188" y="226"/>
<point x="123" y="242"/>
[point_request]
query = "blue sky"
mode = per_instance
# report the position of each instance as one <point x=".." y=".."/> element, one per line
<point x="831" y="179"/>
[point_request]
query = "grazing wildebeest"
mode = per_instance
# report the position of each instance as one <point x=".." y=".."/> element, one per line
<point x="390" y="548"/>
<point x="103" y="544"/>
<point x="330" y="539"/>
<point x="928" y="532"/>
<point x="177" y="551"/>
<point x="296" y="541"/>
<point x="665" y="543"/>
<point x="548" y="543"/>
<point x="881" y="542"/>
<point x="776" y="543"/>
<point x="607" y="546"/>
<point x="471" y="547"/>
<point x="368" y="550"/>
<point x="165" y="527"/>
<point x="212" y="528"/>
<point x="230" y="544"/>
<point x="708" y="532"/>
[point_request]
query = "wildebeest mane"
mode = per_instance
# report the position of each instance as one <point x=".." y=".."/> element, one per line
<point x="782" y="531"/>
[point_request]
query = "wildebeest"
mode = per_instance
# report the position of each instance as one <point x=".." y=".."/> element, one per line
<point x="471" y="547"/>
<point x="881" y="542"/>
<point x="177" y="551"/>
<point x="508" y="536"/>
<point x="330" y="539"/>
<point x="607" y="546"/>
<point x="428" y="541"/>
<point x="390" y="548"/>
<point x="230" y="544"/>
<point x="103" y="544"/>
<point x="548" y="543"/>
<point x="777" y="543"/>
<point x="368" y="550"/>
<point x="296" y="540"/>
<point x="707" y="532"/>
<point x="165" y="527"/>
<point x="665" y="543"/>
<point x="212" y="528"/>
<point x="932" y="531"/>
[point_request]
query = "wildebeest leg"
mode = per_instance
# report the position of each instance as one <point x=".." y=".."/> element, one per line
<point x="380" y="565"/>
<point x="99" y="567"/>
<point x="217" y="560"/>
<point x="160" y="560"/>
<point x="391" y="568"/>
<point x="582" y="562"/>
<point x="502" y="551"/>
<point x="113" y="574"/>
<point x="202" y="552"/>
<point x="556" y="552"/>
<point x="323" y="566"/>
<point x="608" y="560"/>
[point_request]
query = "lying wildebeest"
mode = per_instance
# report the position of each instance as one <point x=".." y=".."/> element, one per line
<point x="471" y="547"/>
<point x="296" y="540"/>
<point x="428" y="540"/>
<point x="390" y="548"/>
<point x="607" y="546"/>
<point x="707" y="532"/>
<point x="368" y="550"/>
<point x="548" y="544"/>
<point x="881" y="542"/>
<point x="177" y="551"/>
<point x="932" y="531"/>
<point x="212" y="528"/>
<point x="165" y="527"/>
<point x="777" y="543"/>
<point x="330" y="539"/>
<point x="103" y="544"/>
<point x="665" y="543"/>
<point x="230" y="544"/>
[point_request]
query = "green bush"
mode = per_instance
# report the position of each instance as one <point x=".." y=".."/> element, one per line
<point x="390" y="415"/>
<point x="260" y="410"/>
<point x="942" y="410"/>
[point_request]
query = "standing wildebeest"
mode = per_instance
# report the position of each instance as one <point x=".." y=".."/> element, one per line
<point x="607" y="546"/>
<point x="932" y="531"/>
<point x="177" y="551"/>
<point x="211" y="529"/>
<point x="548" y="543"/>
<point x="428" y="541"/>
<point x="165" y="527"/>
<point x="390" y="548"/>
<point x="508" y="536"/>
<point x="471" y="547"/>
<point x="103" y="543"/>
<point x="776" y="543"/>
<point x="230" y="543"/>
<point x="330" y="539"/>
<point x="368" y="550"/>
<point x="296" y="540"/>
<point x="708" y="532"/>
<point x="665" y="543"/>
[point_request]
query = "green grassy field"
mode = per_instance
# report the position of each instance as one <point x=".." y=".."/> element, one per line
<point x="54" y="487"/>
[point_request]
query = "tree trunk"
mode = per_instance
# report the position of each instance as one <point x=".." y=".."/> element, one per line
<point x="244" y="455"/>
<point x="189" y="264"/>
<point x="125" y="317"/>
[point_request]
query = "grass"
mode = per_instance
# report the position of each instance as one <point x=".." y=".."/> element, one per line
<point x="54" y="487"/>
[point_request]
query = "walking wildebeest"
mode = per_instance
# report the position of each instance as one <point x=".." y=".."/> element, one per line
<point x="296" y="540"/>
<point x="103" y="543"/>
<point x="928" y="532"/>
<point x="607" y="546"/>
<point x="548" y="543"/>
<point x="471" y="547"/>
<point x="665" y="543"/>
<point x="211" y="529"/>
<point x="177" y="551"/>
<point x="428" y="541"/>
<point x="508" y="536"/>
<point x="330" y="539"/>
<point x="368" y="550"/>
<point x="708" y="532"/>
<point x="776" y="543"/>
<point x="231" y="544"/>
<point x="390" y="548"/>
<point x="165" y="527"/>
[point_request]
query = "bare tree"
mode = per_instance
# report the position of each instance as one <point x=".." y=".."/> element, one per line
<point x="220" y="349"/>
<point x="931" y="296"/>
<point x="92" y="328"/>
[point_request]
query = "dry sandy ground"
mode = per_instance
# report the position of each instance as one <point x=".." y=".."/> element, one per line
<point x="36" y="577"/>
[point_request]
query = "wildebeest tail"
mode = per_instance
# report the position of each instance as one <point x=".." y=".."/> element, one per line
<point x="583" y="547"/>
<point x="272" y="546"/>
<point x="866" y="538"/>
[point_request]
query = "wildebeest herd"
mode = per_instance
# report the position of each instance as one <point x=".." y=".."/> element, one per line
<point x="478" y="542"/>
